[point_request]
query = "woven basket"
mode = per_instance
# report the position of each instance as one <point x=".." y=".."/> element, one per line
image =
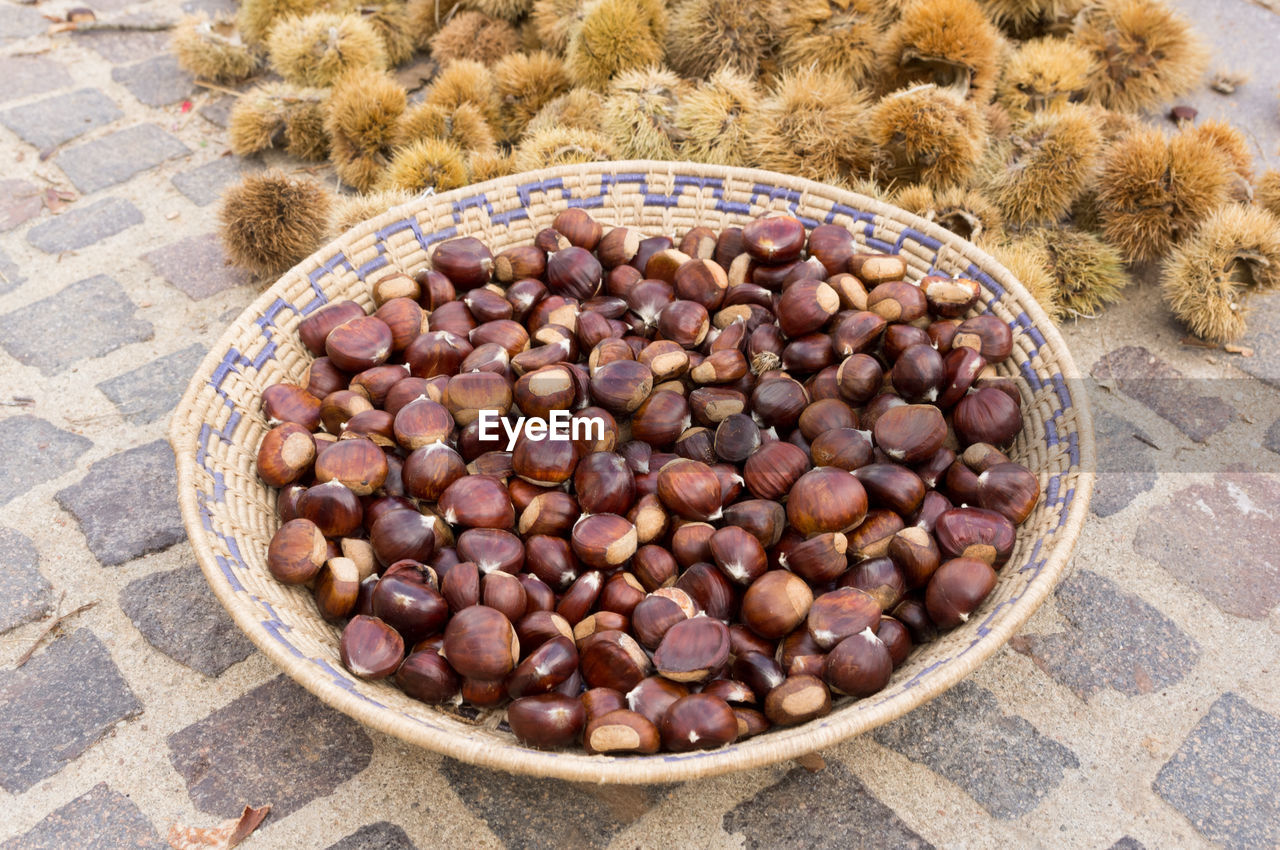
<point x="230" y="515"/>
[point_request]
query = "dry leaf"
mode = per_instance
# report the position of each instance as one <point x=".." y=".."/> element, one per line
<point x="1242" y="350"/>
<point x="223" y="837"/>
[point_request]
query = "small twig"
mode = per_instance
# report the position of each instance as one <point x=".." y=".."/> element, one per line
<point x="111" y="26"/>
<point x="50" y="626"/>
<point x="218" y="88"/>
<point x="1145" y="441"/>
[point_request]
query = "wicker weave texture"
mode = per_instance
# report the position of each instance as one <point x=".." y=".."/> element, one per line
<point x="230" y="514"/>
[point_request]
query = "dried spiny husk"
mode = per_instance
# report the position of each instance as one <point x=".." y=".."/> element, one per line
<point x="1030" y="18"/>
<point x="511" y="10"/>
<point x="716" y="118"/>
<point x="425" y="164"/>
<point x="351" y="210"/>
<point x="578" y="108"/>
<point x="1267" y="193"/>
<point x="965" y="212"/>
<point x="1145" y="53"/>
<point x="947" y="42"/>
<point x="212" y="49"/>
<point x="474" y="35"/>
<point x="1029" y="263"/>
<point x="361" y="118"/>
<point x="317" y="49"/>
<point x="426" y="17"/>
<point x="562" y="146"/>
<point x="927" y="134"/>
<point x="863" y="186"/>
<point x="279" y="115"/>
<point x="812" y="124"/>
<point x="833" y="35"/>
<point x="392" y="24"/>
<point x="1044" y="166"/>
<point x="465" y="81"/>
<point x="999" y="122"/>
<point x="1207" y="281"/>
<point x="463" y="126"/>
<point x="640" y="113"/>
<point x="489" y="165"/>
<point x="707" y="35"/>
<point x="272" y="221"/>
<point x="526" y="82"/>
<point x="1232" y="143"/>
<point x="553" y="20"/>
<point x="1153" y="192"/>
<point x="1087" y="273"/>
<point x="1044" y="74"/>
<point x="614" y="36"/>
<point x="255" y="18"/>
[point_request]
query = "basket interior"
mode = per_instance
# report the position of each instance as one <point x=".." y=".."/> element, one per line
<point x="230" y="513"/>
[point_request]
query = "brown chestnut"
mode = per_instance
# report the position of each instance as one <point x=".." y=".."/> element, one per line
<point x="547" y="721"/>
<point x="957" y="589"/>
<point x="826" y="499"/>
<point x="797" y="700"/>
<point x="860" y="665"/>
<point x="840" y="613"/>
<point x="480" y="643"/>
<point x="692" y="650"/>
<point x="369" y="648"/>
<point x="698" y="722"/>
<point x="776" y="603"/>
<point x="297" y="552"/>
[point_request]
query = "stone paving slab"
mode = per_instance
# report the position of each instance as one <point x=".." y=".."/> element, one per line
<point x="121" y="48"/>
<point x="276" y="744"/>
<point x="827" y="809"/>
<point x="20" y="201"/>
<point x="375" y="836"/>
<point x="115" y="158"/>
<point x="82" y="226"/>
<point x="953" y="735"/>
<point x="27" y="75"/>
<point x="36" y="451"/>
<point x="50" y="122"/>
<point x="204" y="184"/>
<point x="157" y="81"/>
<point x="197" y="265"/>
<point x="179" y="615"/>
<point x="153" y="389"/>
<point x="57" y="706"/>
<point x="17" y="22"/>
<point x="10" y="275"/>
<point x="127" y="504"/>
<point x="1225" y="776"/>
<point x="25" y="595"/>
<point x="25" y="333"/>
<point x="102" y="819"/>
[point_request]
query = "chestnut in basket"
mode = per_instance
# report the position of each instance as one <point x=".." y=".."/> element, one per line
<point x="795" y="470"/>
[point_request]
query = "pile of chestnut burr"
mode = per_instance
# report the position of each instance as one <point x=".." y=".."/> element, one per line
<point x="799" y="475"/>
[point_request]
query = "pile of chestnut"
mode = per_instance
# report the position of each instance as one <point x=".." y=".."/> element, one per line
<point x="798" y="474"/>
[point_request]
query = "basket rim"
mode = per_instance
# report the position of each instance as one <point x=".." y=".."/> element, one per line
<point x="777" y="746"/>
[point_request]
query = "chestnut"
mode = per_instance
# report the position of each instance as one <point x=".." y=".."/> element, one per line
<point x="547" y="721"/>
<point x="845" y="448"/>
<point x="334" y="509"/>
<point x="896" y="637"/>
<point x="736" y="438"/>
<point x="776" y="603"/>
<point x="649" y="517"/>
<point x="422" y="422"/>
<point x="765" y="519"/>
<point x="826" y="499"/>
<point x="581" y="597"/>
<point x="974" y="533"/>
<point x="544" y="668"/>
<point x="897" y="301"/>
<point x="919" y="374"/>
<point x="574" y="272"/>
<point x="460" y="587"/>
<point x="550" y="512"/>
<point x="337" y="588"/>
<point x="818" y="559"/>
<point x="774" y="239"/>
<point x="654" y="567"/>
<point x="603" y="541"/>
<point x="698" y="721"/>
<point x="407" y="601"/>
<point x="692" y="650"/>
<point x="604" y="484"/>
<point x="428" y="471"/>
<point x="369" y="648"/>
<point x="738" y="553"/>
<point x="358" y="344"/>
<point x="797" y="700"/>
<point x="653" y="696"/>
<point x="468" y="394"/>
<point x="465" y="261"/>
<point x="988" y="334"/>
<point x="859" y="378"/>
<point x="890" y="486"/>
<point x="480" y="643"/>
<point x="652" y="617"/>
<point x="314" y="329"/>
<point x="915" y="554"/>
<point x="910" y="433"/>
<point x="873" y="269"/>
<point x="426" y="676"/>
<point x="839" y="613"/>
<point x="860" y="665"/>
<point x="518" y="263"/>
<point x="358" y="463"/>
<point x="806" y="306"/>
<point x="296" y="552"/>
<point x="477" y="501"/>
<point x="684" y="322"/>
<point x="403" y="534"/>
<point x="286" y="454"/>
<point x="872" y="537"/>
<point x="856" y="332"/>
<point x="1010" y="489"/>
<point x="621" y="731"/>
<point x="691" y="489"/>
<point x="437" y="352"/>
<point x="773" y="469"/>
<point x="956" y="589"/>
<point x="987" y="415"/>
<point x="879" y="577"/>
<point x="612" y="659"/>
<point x="291" y="403"/>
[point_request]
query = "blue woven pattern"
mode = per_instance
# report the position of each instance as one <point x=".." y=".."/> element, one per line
<point x="235" y="384"/>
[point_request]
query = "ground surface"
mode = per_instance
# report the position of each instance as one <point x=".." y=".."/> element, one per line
<point x="1138" y="708"/>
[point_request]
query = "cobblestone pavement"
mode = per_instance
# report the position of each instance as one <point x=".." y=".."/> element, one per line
<point x="1138" y="708"/>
